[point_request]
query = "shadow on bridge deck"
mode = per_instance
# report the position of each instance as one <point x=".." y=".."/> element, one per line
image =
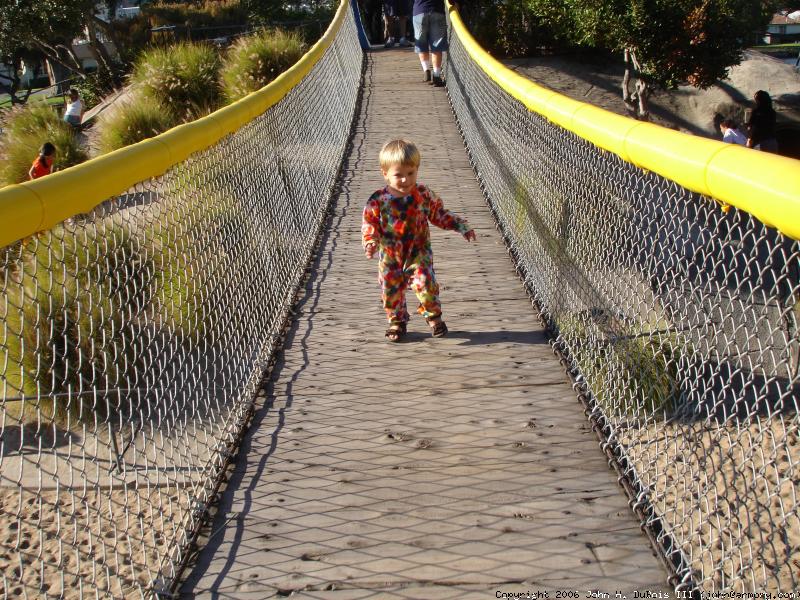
<point x="436" y="468"/>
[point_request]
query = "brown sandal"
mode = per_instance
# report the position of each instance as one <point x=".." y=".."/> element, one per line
<point x="438" y="327"/>
<point x="396" y="331"/>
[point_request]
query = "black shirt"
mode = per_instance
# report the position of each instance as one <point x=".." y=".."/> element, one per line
<point x="761" y="125"/>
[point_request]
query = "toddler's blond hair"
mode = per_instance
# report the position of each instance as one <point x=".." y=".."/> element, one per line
<point x="398" y="152"/>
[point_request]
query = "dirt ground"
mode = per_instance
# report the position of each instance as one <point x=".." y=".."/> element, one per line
<point x="598" y="81"/>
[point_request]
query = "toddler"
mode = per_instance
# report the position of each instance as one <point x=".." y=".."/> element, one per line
<point x="395" y="224"/>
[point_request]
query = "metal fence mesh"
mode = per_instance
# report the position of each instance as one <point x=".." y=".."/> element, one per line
<point x="133" y="339"/>
<point x="679" y="321"/>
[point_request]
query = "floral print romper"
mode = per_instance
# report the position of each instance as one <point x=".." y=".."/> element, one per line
<point x="399" y="227"/>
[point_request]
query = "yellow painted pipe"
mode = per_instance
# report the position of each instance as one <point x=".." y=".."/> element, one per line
<point x="38" y="205"/>
<point x="765" y="185"/>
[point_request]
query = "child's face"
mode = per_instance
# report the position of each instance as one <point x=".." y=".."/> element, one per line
<point x="401" y="178"/>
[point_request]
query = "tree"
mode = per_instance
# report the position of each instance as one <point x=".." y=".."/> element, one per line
<point x="49" y="27"/>
<point x="664" y="43"/>
<point x="505" y="28"/>
<point x="10" y="84"/>
<point x="46" y="25"/>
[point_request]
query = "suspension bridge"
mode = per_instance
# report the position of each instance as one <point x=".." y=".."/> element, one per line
<point x="199" y="402"/>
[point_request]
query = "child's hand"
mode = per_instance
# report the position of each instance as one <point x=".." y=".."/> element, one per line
<point x="370" y="249"/>
<point x="470" y="236"/>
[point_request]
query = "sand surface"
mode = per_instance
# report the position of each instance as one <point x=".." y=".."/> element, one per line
<point x="729" y="495"/>
<point x="95" y="543"/>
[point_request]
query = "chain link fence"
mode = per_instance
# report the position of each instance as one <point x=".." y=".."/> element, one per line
<point x="678" y="318"/>
<point x="134" y="337"/>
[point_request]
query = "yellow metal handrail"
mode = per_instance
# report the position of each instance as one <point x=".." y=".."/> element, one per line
<point x="38" y="205"/>
<point x="765" y="185"/>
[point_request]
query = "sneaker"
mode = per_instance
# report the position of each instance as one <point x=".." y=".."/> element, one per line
<point x="427" y="77"/>
<point x="404" y="43"/>
<point x="389" y="43"/>
<point x="437" y="81"/>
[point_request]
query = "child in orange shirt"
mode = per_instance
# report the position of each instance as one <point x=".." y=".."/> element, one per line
<point x="43" y="165"/>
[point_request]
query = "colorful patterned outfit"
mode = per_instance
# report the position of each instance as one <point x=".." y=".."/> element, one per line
<point x="399" y="227"/>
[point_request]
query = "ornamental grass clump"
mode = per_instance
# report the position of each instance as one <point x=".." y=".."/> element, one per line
<point x="25" y="130"/>
<point x="142" y="118"/>
<point x="203" y="13"/>
<point x="254" y="61"/>
<point x="68" y="312"/>
<point x="182" y="77"/>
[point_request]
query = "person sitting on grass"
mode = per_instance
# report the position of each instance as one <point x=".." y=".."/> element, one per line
<point x="43" y="165"/>
<point x="74" y="112"/>
<point x="395" y="225"/>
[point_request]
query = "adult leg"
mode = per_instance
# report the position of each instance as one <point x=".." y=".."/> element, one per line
<point x="421" y="43"/>
<point x="438" y="42"/>
<point x="389" y="30"/>
<point x="402" y="30"/>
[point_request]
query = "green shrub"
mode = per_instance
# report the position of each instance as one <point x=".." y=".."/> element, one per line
<point x="95" y="87"/>
<point x="253" y="61"/>
<point x="182" y="77"/>
<point x="310" y="18"/>
<point x="143" y="117"/>
<point x="26" y="129"/>
<point x="630" y="374"/>
<point x="133" y="35"/>
<point x="204" y="14"/>
<point x="68" y="321"/>
<point x="507" y="28"/>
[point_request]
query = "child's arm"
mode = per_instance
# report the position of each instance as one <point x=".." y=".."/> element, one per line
<point x="370" y="227"/>
<point x="444" y="219"/>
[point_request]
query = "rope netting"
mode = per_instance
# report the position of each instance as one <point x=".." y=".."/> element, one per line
<point x="678" y="317"/>
<point x="134" y="337"/>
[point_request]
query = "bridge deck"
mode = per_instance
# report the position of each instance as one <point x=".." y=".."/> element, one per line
<point x="446" y="468"/>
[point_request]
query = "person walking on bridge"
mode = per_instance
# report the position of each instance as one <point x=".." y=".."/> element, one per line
<point x="395" y="224"/>
<point x="430" y="31"/>
<point x="395" y="17"/>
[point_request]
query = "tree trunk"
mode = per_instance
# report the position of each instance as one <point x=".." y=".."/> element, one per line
<point x="636" y="102"/>
<point x="14" y="86"/>
<point x="628" y="98"/>
<point x="53" y="54"/>
<point x="97" y="49"/>
<point x="68" y="50"/>
<point x="108" y="31"/>
<point x="642" y="90"/>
